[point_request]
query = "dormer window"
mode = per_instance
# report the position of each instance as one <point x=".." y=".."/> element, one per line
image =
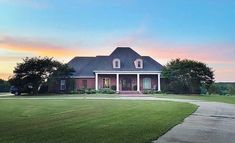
<point x="116" y="63"/>
<point x="138" y="63"/>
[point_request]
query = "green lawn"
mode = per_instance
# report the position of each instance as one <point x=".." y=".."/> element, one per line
<point x="217" y="98"/>
<point x="86" y="121"/>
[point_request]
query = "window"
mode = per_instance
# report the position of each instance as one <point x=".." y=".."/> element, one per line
<point x="106" y="83"/>
<point x="147" y="83"/>
<point x="116" y="63"/>
<point x="138" y="63"/>
<point x="62" y="85"/>
<point x="84" y="84"/>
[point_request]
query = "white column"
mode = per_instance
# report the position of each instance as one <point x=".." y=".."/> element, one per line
<point x="96" y="81"/>
<point x="117" y="82"/>
<point x="158" y="82"/>
<point x="138" y="82"/>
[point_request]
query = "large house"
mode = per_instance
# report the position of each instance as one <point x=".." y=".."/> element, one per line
<point x="123" y="70"/>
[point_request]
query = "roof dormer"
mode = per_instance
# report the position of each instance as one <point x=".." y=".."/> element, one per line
<point x="138" y="63"/>
<point x="116" y="63"/>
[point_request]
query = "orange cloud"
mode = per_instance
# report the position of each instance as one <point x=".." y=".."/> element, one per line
<point x="16" y="48"/>
<point x="38" y="48"/>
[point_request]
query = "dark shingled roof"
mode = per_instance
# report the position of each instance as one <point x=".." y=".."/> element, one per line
<point x="85" y="66"/>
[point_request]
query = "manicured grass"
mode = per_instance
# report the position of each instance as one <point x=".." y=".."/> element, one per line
<point x="217" y="98"/>
<point x="86" y="121"/>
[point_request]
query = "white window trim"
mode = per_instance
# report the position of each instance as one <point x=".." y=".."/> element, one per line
<point x="136" y="62"/>
<point x="62" y="84"/>
<point x="114" y="63"/>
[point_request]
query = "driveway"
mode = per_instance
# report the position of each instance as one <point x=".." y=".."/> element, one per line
<point x="213" y="122"/>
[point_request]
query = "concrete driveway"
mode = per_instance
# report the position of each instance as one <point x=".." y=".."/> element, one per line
<point x="213" y="122"/>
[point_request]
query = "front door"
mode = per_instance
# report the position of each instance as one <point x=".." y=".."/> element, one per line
<point x="126" y="84"/>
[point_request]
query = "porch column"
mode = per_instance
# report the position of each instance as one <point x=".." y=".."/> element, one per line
<point x="138" y="82"/>
<point x="96" y="81"/>
<point x="117" y="82"/>
<point x="158" y="82"/>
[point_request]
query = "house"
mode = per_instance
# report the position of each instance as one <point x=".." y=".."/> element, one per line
<point x="122" y="70"/>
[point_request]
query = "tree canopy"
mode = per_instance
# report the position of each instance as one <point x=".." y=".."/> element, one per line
<point x="187" y="76"/>
<point x="33" y="72"/>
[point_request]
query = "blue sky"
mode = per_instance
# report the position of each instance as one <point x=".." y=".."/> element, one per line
<point x="164" y="29"/>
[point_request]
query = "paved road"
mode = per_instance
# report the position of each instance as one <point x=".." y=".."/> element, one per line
<point x="213" y="122"/>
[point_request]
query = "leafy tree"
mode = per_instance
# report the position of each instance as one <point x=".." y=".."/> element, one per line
<point x="33" y="72"/>
<point x="187" y="76"/>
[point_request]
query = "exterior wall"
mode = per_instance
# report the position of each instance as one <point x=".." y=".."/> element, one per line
<point x="90" y="83"/>
<point x="55" y="86"/>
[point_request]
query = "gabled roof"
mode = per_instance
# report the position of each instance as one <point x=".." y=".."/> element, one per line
<point x="85" y="66"/>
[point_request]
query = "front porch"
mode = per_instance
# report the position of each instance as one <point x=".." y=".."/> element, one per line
<point x="128" y="82"/>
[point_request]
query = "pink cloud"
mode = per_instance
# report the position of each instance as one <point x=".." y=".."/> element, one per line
<point x="216" y="55"/>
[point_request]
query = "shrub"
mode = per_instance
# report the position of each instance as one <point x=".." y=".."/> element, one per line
<point x="43" y="89"/>
<point x="231" y="89"/>
<point x="89" y="91"/>
<point x="135" y="87"/>
<point x="106" y="91"/>
<point x="222" y="89"/>
<point x="203" y="89"/>
<point x="81" y="91"/>
<point x="151" y="91"/>
<point x="73" y="92"/>
<point x="113" y="87"/>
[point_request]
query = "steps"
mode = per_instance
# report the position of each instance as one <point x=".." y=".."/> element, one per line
<point x="129" y="92"/>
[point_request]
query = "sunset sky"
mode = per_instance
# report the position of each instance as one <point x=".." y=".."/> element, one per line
<point x="202" y="30"/>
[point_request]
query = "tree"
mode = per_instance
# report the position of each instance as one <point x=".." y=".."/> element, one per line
<point x="33" y="72"/>
<point x="187" y="76"/>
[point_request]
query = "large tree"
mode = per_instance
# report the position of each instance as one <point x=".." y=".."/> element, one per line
<point x="187" y="76"/>
<point x="33" y="72"/>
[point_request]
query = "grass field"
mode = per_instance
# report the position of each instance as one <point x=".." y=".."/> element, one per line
<point x="86" y="121"/>
<point x="217" y="98"/>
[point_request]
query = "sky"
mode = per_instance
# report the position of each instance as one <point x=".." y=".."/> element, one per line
<point x="201" y="30"/>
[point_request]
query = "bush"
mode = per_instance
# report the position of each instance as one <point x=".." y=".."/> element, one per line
<point x="107" y="91"/>
<point x="113" y="87"/>
<point x="231" y="89"/>
<point x="43" y="89"/>
<point x="135" y="87"/>
<point x="213" y="89"/>
<point x="151" y="91"/>
<point x="74" y="92"/>
<point x="90" y="91"/>
<point x="222" y="89"/>
<point x="86" y="91"/>
<point x="81" y="91"/>
<point x="203" y="89"/>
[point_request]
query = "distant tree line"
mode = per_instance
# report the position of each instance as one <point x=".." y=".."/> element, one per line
<point x="4" y="86"/>
<point x="222" y="88"/>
